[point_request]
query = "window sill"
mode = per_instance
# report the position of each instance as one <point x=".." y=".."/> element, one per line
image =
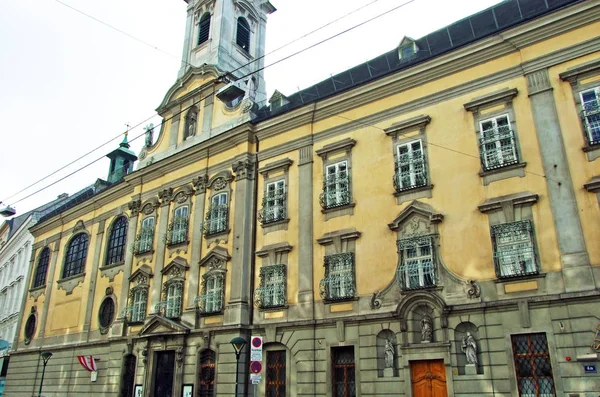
<point x="150" y="253"/>
<point x="211" y="314"/>
<point x="510" y="171"/>
<point x="275" y="226"/>
<point x="245" y="53"/>
<point x="218" y="236"/>
<point x="69" y="283"/>
<point x="507" y="279"/>
<point x="273" y="308"/>
<point x="37" y="291"/>
<point x="413" y="194"/>
<point x="334" y="301"/>
<point x="201" y="46"/>
<point x="111" y="270"/>
<point x="178" y="244"/>
<point x="134" y="323"/>
<point x="334" y="212"/>
<point x="405" y="291"/>
<point x="592" y="151"/>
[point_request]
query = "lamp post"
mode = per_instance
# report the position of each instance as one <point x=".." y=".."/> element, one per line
<point x="238" y="344"/>
<point x="45" y="356"/>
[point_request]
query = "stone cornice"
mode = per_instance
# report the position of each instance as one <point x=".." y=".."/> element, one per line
<point x="279" y="247"/>
<point x="346" y="234"/>
<point x="283" y="164"/>
<point x="593" y="186"/>
<point x="415" y="123"/>
<point x="573" y="74"/>
<point x="345" y="145"/>
<point x="505" y="95"/>
<point x="517" y="199"/>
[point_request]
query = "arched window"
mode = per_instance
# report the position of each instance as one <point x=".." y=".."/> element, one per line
<point x="116" y="241"/>
<point x="42" y="268"/>
<point x="76" y="255"/>
<point x="206" y="375"/>
<point x="203" y="28"/>
<point x="243" y="34"/>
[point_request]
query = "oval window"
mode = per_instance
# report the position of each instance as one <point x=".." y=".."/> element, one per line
<point x="107" y="312"/>
<point x="30" y="327"/>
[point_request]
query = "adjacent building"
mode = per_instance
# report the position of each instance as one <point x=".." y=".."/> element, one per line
<point x="423" y="224"/>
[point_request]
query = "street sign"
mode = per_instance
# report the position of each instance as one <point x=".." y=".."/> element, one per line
<point x="255" y="378"/>
<point x="589" y="369"/>
<point x="255" y="367"/>
<point x="256" y="345"/>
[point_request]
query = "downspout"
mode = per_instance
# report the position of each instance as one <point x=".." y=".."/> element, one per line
<point x="314" y="320"/>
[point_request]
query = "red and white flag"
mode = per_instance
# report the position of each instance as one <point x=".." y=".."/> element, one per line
<point x="88" y="363"/>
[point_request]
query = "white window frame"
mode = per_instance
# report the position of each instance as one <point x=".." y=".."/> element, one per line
<point x="174" y="299"/>
<point x="335" y="182"/>
<point x="214" y="294"/>
<point x="591" y="111"/>
<point x="140" y="302"/>
<point x="416" y="163"/>
<point x="504" y="157"/>
<point x="273" y="286"/>
<point x="219" y="208"/>
<point x="275" y="200"/>
<point x="417" y="270"/>
<point x="180" y="224"/>
<point x="146" y="238"/>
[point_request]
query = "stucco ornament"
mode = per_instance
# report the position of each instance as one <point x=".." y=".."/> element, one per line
<point x="469" y="347"/>
<point x="426" y="329"/>
<point x="389" y="354"/>
<point x="219" y="184"/>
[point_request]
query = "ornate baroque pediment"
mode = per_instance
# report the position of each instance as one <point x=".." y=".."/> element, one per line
<point x="141" y="275"/>
<point x="417" y="218"/>
<point x="159" y="325"/>
<point x="216" y="259"/>
<point x="176" y="268"/>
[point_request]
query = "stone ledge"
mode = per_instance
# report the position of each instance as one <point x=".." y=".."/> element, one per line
<point x="69" y="283"/>
<point x="283" y="165"/>
<point x="275" y="226"/>
<point x="505" y="95"/>
<point x="593" y="186"/>
<point x="503" y="173"/>
<point x="415" y="123"/>
<point x="592" y="152"/>
<point x="347" y="209"/>
<point x="345" y="145"/>
<point x="36" y="292"/>
<point x="111" y="270"/>
<point x="516" y="199"/>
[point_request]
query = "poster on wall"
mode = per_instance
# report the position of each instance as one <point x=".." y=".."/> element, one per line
<point x="138" y="391"/>
<point x="188" y="390"/>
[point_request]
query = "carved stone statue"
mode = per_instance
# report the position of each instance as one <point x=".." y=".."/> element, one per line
<point x="426" y="329"/>
<point x="469" y="347"/>
<point x="389" y="354"/>
<point x="191" y="125"/>
<point x="149" y="132"/>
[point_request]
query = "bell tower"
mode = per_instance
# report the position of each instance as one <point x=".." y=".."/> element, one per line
<point x="227" y="34"/>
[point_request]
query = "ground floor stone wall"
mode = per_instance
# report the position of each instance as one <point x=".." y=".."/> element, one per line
<point x="568" y="326"/>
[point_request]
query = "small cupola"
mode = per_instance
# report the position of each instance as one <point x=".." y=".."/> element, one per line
<point x="121" y="161"/>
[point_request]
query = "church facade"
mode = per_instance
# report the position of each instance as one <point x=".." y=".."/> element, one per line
<point x="423" y="224"/>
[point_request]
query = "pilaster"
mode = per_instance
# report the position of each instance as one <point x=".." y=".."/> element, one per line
<point x="208" y="115"/>
<point x="187" y="41"/>
<point x="577" y="272"/>
<point x="94" y="277"/>
<point x="49" y="282"/>
<point x="305" y="233"/>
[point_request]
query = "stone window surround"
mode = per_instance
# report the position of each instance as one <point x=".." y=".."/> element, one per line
<point x="270" y="168"/>
<point x="252" y="20"/>
<point x="109" y="295"/>
<point x="344" y="146"/>
<point x="289" y="369"/>
<point x="339" y="242"/>
<point x="201" y="9"/>
<point x="576" y="76"/>
<point x="275" y="254"/>
<point x="113" y="269"/>
<point x="491" y="100"/>
<point x="174" y="272"/>
<point x="182" y="197"/>
<point x="148" y="209"/>
<point x="27" y="340"/>
<point x="144" y="274"/>
<point x="217" y="184"/>
<point x="214" y="262"/>
<point x="35" y="292"/>
<point x="507" y="209"/>
<point x="397" y="132"/>
<point x="69" y="283"/>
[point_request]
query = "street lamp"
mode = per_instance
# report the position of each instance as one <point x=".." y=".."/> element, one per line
<point x="45" y="356"/>
<point x="238" y="344"/>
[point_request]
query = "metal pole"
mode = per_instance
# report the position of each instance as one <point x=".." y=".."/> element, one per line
<point x="237" y="370"/>
<point x="42" y="380"/>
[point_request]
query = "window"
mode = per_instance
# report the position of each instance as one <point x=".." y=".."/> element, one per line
<point x="497" y="143"/>
<point x="211" y="300"/>
<point x="138" y="310"/>
<point x="275" y="386"/>
<point x="407" y="51"/>
<point x="416" y="269"/>
<point x="117" y="241"/>
<point x="274" y="203"/>
<point x="145" y="236"/>
<point x="174" y="299"/>
<point x="30" y="328"/>
<point x="217" y="216"/>
<point x="271" y="292"/>
<point x="107" y="312"/>
<point x="336" y="187"/>
<point x="410" y="167"/>
<point x="514" y="251"/>
<point x="76" y="255"/>
<point x="343" y="381"/>
<point x="42" y="268"/>
<point x="338" y="283"/>
<point x="206" y="375"/>
<point x="590" y="101"/>
<point x="178" y="228"/>
<point x="203" y="28"/>
<point x="532" y="365"/>
<point x="243" y="34"/>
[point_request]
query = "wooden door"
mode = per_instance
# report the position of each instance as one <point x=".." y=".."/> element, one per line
<point x="428" y="378"/>
<point x="163" y="375"/>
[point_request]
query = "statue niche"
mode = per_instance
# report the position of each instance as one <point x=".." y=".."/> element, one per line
<point x="468" y="352"/>
<point x="386" y="354"/>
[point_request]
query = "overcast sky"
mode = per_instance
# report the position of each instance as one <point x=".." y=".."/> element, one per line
<point x="69" y="83"/>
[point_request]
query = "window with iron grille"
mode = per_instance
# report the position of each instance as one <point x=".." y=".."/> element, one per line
<point x="211" y="300"/>
<point x="177" y="230"/>
<point x="336" y="186"/>
<point x="532" y="365"/>
<point x="272" y="292"/>
<point x="145" y="237"/>
<point x="140" y="300"/>
<point x="410" y="166"/>
<point x="116" y="241"/>
<point x="274" y="203"/>
<point x="203" y="28"/>
<point x="106" y="314"/>
<point x="497" y="144"/>
<point x="41" y="269"/>
<point x="343" y="368"/>
<point x="275" y="386"/>
<point x="514" y="249"/>
<point x="217" y="215"/>
<point x="76" y="255"/>
<point x="590" y="101"/>
<point x="338" y="283"/>
<point x="243" y="34"/>
<point x="206" y="375"/>
<point x="417" y="266"/>
<point x="174" y="299"/>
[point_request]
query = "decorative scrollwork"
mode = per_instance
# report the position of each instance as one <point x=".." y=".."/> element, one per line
<point x="474" y="290"/>
<point x="376" y="300"/>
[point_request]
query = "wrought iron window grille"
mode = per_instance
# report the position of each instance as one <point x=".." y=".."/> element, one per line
<point x="172" y="301"/>
<point x="497" y="147"/>
<point x="410" y="171"/>
<point x="272" y="290"/>
<point x="273" y="208"/>
<point x="336" y="190"/>
<point x="344" y="378"/>
<point x="532" y="365"/>
<point x="217" y="218"/>
<point x="138" y="299"/>
<point x="143" y="241"/>
<point x="591" y="121"/>
<point x="339" y="282"/>
<point x="417" y="269"/>
<point x="514" y="250"/>
<point x="177" y="230"/>
<point x="213" y="294"/>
